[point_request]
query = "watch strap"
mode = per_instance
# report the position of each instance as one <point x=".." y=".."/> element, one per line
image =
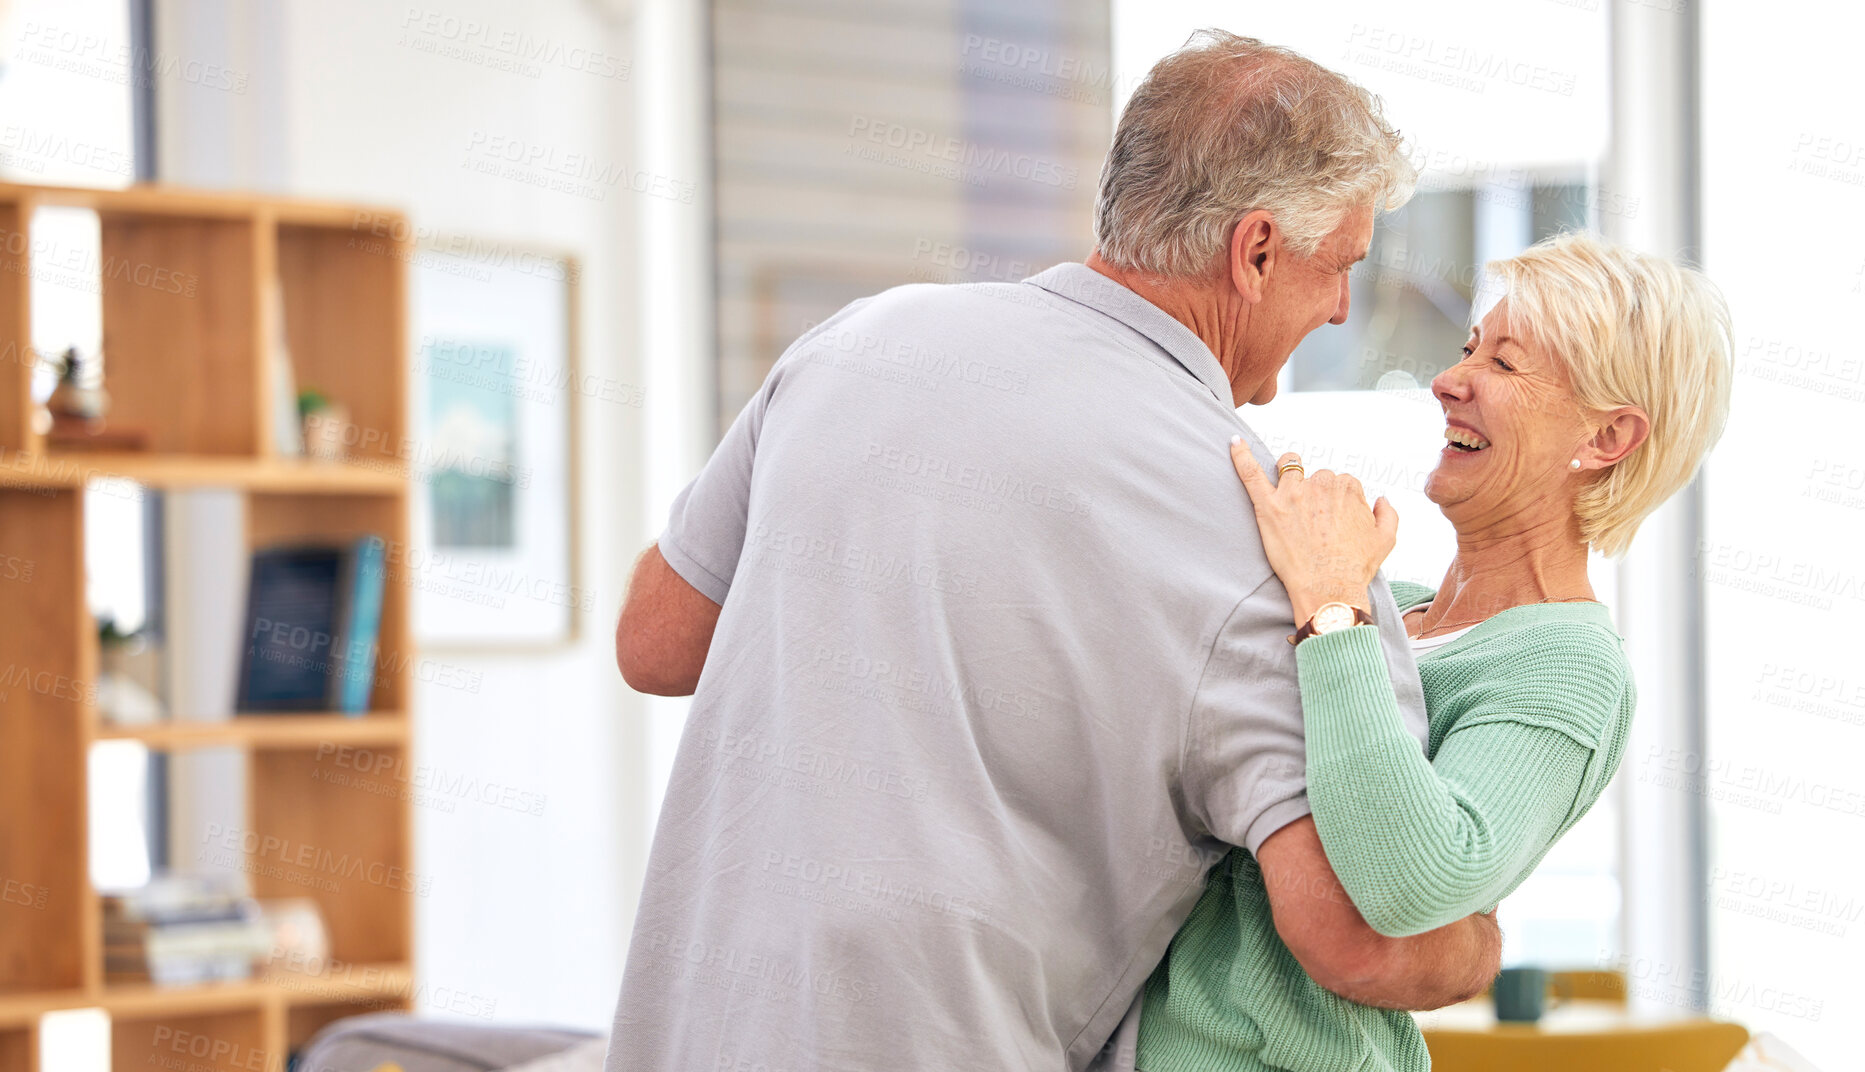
<point x="1360" y="617"/>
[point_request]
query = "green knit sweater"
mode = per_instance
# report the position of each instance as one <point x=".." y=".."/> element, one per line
<point x="1529" y="713"/>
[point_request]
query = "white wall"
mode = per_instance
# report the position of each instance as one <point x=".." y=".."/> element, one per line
<point x="527" y="915"/>
<point x="1784" y="235"/>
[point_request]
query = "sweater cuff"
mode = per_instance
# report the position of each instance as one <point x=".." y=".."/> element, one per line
<point x="1347" y="697"/>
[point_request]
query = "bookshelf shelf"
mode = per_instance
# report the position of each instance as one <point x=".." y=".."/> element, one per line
<point x="24" y="1010"/>
<point x="352" y="984"/>
<point x="267" y="732"/>
<point x="357" y="983"/>
<point x="193" y="288"/>
<point x="183" y="471"/>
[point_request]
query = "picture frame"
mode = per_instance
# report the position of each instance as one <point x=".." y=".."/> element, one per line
<point x="493" y="414"/>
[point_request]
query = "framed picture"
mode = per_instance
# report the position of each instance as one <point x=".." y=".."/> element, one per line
<point x="493" y="395"/>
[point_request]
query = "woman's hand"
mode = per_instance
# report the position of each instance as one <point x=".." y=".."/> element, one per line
<point x="1317" y="531"/>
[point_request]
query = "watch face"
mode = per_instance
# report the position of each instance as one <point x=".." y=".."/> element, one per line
<point x="1333" y="616"/>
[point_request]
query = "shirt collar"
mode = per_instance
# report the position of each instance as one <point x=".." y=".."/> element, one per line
<point x="1082" y="284"/>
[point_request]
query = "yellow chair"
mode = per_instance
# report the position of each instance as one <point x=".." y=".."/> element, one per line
<point x="1688" y="1046"/>
<point x="1587" y="986"/>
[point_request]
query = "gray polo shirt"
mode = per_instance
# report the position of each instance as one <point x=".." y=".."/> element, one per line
<point x="1000" y="672"/>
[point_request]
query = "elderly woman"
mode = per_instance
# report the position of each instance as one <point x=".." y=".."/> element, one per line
<point x="1585" y="398"/>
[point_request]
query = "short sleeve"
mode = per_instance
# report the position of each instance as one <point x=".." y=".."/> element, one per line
<point x="705" y="531"/>
<point x="706" y="528"/>
<point x="1246" y="754"/>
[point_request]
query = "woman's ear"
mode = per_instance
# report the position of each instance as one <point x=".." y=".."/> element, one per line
<point x="1255" y="244"/>
<point x="1624" y="429"/>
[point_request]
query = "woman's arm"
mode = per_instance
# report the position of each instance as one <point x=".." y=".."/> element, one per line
<point x="1415" y="846"/>
<point x="1419" y="844"/>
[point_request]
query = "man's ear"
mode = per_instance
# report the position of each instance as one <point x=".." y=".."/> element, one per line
<point x="1255" y="244"/>
<point x="1624" y="429"/>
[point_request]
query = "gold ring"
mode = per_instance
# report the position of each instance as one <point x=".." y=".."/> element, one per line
<point x="1286" y="466"/>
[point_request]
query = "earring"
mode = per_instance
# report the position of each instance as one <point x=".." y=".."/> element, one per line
<point x="1575" y="464"/>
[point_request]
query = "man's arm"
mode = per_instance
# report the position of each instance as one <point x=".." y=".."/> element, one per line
<point x="1330" y="939"/>
<point x="665" y="629"/>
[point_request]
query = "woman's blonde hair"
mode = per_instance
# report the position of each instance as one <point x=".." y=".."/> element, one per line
<point x="1632" y="330"/>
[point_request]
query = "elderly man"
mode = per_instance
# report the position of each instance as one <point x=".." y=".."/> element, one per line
<point x="988" y="665"/>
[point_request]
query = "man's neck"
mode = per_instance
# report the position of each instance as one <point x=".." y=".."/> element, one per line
<point x="1189" y="301"/>
<point x="1510" y="564"/>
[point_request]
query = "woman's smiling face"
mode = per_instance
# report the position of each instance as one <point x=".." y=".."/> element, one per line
<point x="1512" y="427"/>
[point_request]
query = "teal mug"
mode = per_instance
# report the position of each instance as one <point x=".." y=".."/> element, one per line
<point x="1521" y="995"/>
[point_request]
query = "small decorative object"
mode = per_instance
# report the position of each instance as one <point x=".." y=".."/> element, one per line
<point x="79" y="395"/>
<point x="296" y="927"/>
<point x="326" y="425"/>
<point x="73" y="416"/>
<point x="127" y="679"/>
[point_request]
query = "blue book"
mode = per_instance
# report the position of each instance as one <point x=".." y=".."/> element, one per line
<point x="363" y="627"/>
<point x="313" y="615"/>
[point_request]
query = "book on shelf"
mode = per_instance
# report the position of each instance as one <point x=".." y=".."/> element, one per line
<point x="183" y="929"/>
<point x="313" y="616"/>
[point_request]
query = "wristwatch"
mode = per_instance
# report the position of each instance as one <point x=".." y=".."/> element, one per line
<point x="1330" y="617"/>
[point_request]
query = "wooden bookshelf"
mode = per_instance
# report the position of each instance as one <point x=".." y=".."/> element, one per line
<point x="188" y="285"/>
<point x="273" y="732"/>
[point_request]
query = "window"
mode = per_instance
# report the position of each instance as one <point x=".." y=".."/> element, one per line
<point x="66" y="91"/>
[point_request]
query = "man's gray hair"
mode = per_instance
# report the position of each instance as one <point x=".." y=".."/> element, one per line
<point x="1228" y="125"/>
